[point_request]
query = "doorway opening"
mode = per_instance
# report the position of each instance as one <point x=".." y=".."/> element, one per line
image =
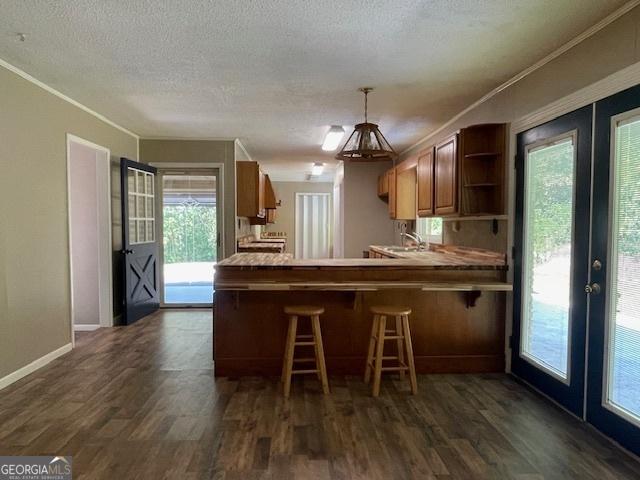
<point x="191" y="236"/>
<point x="90" y="244"/>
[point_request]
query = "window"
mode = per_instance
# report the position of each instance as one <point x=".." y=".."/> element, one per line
<point x="141" y="204"/>
<point x="548" y="229"/>
<point x="430" y="229"/>
<point x="623" y="345"/>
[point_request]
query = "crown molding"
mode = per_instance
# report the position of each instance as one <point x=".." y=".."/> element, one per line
<point x="612" y="17"/>
<point x="187" y="139"/>
<point x="53" y="91"/>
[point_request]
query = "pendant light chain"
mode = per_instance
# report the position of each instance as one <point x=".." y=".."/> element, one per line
<point x="366" y="96"/>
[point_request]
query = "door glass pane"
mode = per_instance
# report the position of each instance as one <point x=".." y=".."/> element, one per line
<point x="624" y="276"/>
<point x="190" y="237"/>
<point x="548" y="225"/>
<point x="141" y="211"/>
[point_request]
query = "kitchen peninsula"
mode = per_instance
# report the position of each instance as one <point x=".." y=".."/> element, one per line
<point x="457" y="298"/>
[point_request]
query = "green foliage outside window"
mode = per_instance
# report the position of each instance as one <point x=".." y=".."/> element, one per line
<point x="550" y="202"/>
<point x="189" y="233"/>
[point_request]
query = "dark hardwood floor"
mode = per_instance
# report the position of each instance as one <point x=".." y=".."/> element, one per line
<point x="141" y="402"/>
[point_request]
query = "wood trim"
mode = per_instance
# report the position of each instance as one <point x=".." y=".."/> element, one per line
<point x="35" y="365"/>
<point x="85" y="327"/>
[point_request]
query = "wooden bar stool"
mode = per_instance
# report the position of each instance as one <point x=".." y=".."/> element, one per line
<point x="294" y="340"/>
<point x="402" y="335"/>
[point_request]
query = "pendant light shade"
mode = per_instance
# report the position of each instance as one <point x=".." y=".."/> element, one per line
<point x="366" y="143"/>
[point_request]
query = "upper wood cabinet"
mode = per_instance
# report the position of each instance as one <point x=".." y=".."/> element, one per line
<point x="250" y="185"/>
<point x="402" y="190"/>
<point x="391" y="179"/>
<point x="446" y="176"/>
<point x="462" y="175"/>
<point x="269" y="194"/>
<point x="405" y="191"/>
<point x="425" y="182"/>
<point x="383" y="184"/>
<point x="482" y="150"/>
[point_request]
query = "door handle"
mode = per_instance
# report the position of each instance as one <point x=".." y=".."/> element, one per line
<point x="593" y="288"/>
<point x="127" y="251"/>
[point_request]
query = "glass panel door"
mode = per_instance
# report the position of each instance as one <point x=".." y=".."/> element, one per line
<point x="552" y="245"/>
<point x="190" y="237"/>
<point x="614" y="331"/>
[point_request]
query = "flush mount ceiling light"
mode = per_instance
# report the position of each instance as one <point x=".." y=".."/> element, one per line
<point x="317" y="169"/>
<point x="333" y="138"/>
<point x="366" y="143"/>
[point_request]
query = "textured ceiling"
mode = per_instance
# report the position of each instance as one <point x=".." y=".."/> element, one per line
<point x="277" y="73"/>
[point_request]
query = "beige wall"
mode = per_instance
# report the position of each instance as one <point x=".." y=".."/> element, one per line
<point x="366" y="217"/>
<point x="34" y="255"/>
<point x="285" y="214"/>
<point x="201" y="151"/>
<point x="611" y="49"/>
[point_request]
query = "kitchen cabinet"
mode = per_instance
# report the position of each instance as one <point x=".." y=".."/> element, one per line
<point x="446" y="176"/>
<point x="401" y="184"/>
<point x="405" y="190"/>
<point x="269" y="194"/>
<point x="425" y="174"/>
<point x="391" y="178"/>
<point x="269" y="204"/>
<point x="250" y="186"/>
<point x="482" y="151"/>
<point x="463" y="175"/>
<point x="383" y="185"/>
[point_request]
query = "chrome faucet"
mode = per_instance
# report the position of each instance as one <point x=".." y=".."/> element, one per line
<point x="416" y="238"/>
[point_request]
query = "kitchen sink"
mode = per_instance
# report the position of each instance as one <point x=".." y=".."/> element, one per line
<point x="404" y="249"/>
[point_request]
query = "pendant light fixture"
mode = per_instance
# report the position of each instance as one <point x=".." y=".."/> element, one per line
<point x="366" y="143"/>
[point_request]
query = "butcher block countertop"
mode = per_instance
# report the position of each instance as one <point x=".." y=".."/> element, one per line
<point x="453" y="254"/>
<point x="431" y="271"/>
<point x="466" y="259"/>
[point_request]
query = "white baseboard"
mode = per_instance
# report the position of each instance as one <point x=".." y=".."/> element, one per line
<point x="33" y="366"/>
<point x="85" y="327"/>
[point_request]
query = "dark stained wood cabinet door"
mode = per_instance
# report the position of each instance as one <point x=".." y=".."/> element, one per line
<point x="392" y="193"/>
<point x="425" y="182"/>
<point x="446" y="176"/>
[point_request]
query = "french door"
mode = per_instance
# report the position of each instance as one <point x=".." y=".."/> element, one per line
<point x="576" y="333"/>
<point x="613" y="392"/>
<point x="552" y="252"/>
